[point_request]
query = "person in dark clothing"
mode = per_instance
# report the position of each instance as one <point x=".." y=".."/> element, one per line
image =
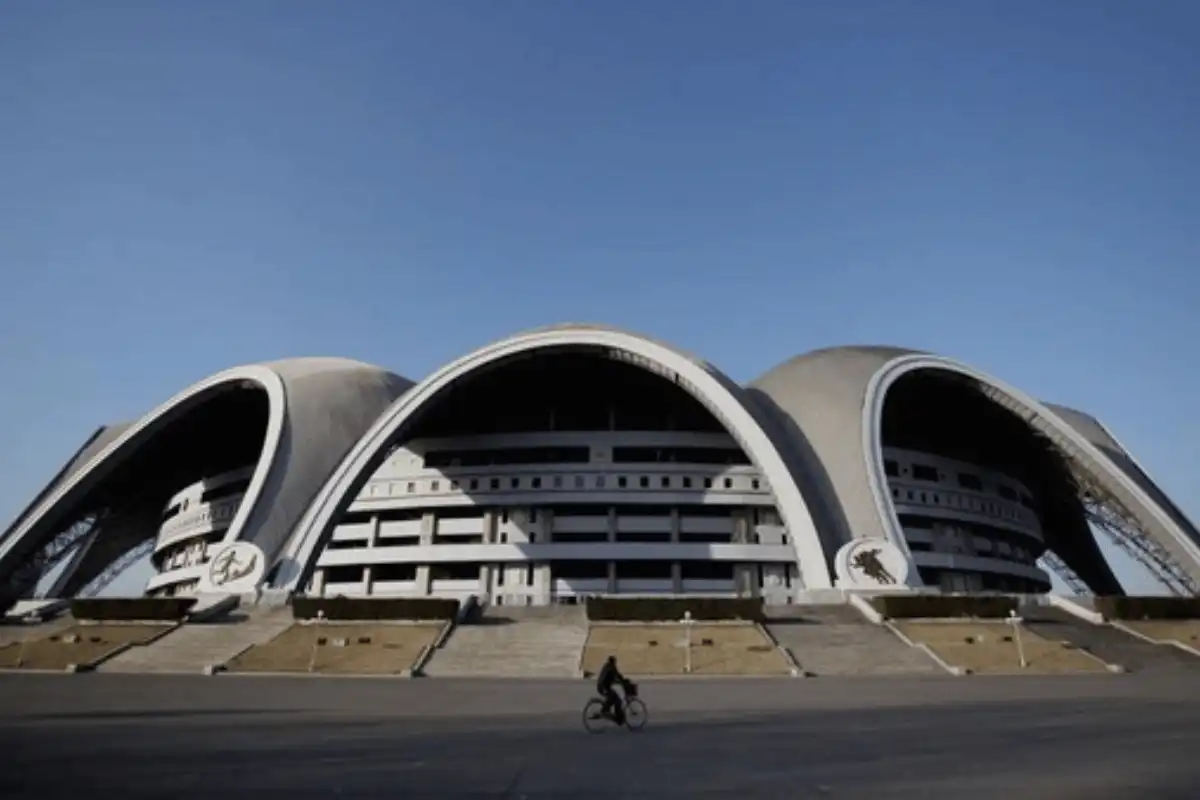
<point x="610" y="675"/>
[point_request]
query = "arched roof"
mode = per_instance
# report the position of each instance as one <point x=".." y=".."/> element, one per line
<point x="831" y="401"/>
<point x="722" y="396"/>
<point x="318" y="408"/>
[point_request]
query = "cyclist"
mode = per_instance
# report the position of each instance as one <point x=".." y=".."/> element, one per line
<point x="609" y="675"/>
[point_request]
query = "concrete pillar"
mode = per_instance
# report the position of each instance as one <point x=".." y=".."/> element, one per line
<point x="423" y="580"/>
<point x="318" y="583"/>
<point x="612" y="523"/>
<point x="490" y="521"/>
<point x="612" y="577"/>
<point x="428" y="526"/>
<point x="676" y="577"/>
<point x="542" y="586"/>
<point x="373" y="531"/>
<point x="546" y="525"/>
<point x="367" y="582"/>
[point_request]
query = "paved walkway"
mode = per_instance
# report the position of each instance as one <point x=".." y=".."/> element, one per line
<point x="196" y="737"/>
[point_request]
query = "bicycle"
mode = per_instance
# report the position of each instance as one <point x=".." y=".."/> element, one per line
<point x="635" y="713"/>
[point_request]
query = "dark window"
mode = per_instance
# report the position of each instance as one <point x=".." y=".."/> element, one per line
<point x="394" y="572"/>
<point x="644" y="570"/>
<point x="666" y="482"/>
<point x="494" y="483"/>
<point x="729" y="483"/>
<point x="454" y="572"/>
<point x="646" y="536"/>
<point x="968" y="481"/>
<point x="474" y="484"/>
<point x="433" y="486"/>
<point x="754" y="484"/>
<point x="644" y="482"/>
<point x="537" y="483"/>
<point x="923" y="472"/>
<point x="621" y="482"/>
<point x="706" y="570"/>
<point x="515" y="483"/>
<point x="687" y="482"/>
<point x="578" y="481"/>
<point x="891" y="468"/>
<point x="708" y="483"/>
<point x="580" y="570"/>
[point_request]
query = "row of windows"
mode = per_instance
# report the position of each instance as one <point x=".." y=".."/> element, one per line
<point x="966" y="480"/>
<point x="761" y="515"/>
<point x="230" y="489"/>
<point x="1002" y="551"/>
<point x="215" y="514"/>
<point x="562" y="570"/>
<point x="515" y="456"/>
<point x="538" y="482"/>
<point x="956" y="501"/>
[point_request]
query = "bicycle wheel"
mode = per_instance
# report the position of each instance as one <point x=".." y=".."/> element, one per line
<point x="636" y="714"/>
<point x="594" y="720"/>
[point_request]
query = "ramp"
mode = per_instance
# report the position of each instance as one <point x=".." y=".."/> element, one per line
<point x="836" y="640"/>
<point x="514" y="644"/>
<point x="197" y="645"/>
<point x="1108" y="643"/>
<point x="717" y="648"/>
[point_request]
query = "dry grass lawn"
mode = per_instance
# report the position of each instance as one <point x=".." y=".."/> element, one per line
<point x="988" y="648"/>
<point x="341" y="649"/>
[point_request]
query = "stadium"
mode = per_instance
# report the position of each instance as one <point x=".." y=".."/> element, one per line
<point x="574" y="476"/>
<point x="578" y="461"/>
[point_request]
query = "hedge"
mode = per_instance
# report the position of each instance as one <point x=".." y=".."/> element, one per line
<point x="916" y="606"/>
<point x="1134" y="608"/>
<point x="662" y="609"/>
<point x="374" y="608"/>
<point x="159" y="609"/>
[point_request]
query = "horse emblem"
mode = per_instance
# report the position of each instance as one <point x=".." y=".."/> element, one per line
<point x="869" y="562"/>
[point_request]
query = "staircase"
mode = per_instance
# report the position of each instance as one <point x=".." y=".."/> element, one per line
<point x="837" y="640"/>
<point x="541" y="642"/>
<point x="1108" y="643"/>
<point x="195" y="646"/>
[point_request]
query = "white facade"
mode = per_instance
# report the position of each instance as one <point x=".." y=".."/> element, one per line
<point x="585" y="515"/>
<point x="195" y="522"/>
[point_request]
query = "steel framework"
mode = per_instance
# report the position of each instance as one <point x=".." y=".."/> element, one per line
<point x="1059" y="567"/>
<point x="114" y="570"/>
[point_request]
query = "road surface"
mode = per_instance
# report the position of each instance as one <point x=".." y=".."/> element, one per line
<point x="131" y="736"/>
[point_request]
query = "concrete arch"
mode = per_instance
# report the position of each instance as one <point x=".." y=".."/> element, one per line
<point x="317" y="408"/>
<point x="720" y="395"/>
<point x="1157" y="520"/>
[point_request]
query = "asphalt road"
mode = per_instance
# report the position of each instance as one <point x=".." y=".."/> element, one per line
<point x="129" y="736"/>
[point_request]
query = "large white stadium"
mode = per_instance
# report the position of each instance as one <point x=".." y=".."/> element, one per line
<point x="581" y="460"/>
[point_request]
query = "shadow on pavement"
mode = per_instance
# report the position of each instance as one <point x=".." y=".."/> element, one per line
<point x="1121" y="748"/>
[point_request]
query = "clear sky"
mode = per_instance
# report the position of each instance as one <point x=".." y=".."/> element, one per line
<point x="187" y="186"/>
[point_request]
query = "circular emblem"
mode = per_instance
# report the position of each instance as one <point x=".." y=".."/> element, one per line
<point x="871" y="564"/>
<point x="237" y="567"/>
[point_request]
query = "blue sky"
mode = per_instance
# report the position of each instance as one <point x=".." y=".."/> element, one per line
<point x="186" y="186"/>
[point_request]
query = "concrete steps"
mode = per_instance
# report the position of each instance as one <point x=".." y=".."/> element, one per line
<point x="1108" y="643"/>
<point x="546" y="644"/>
<point x="194" y="646"/>
<point x="837" y="640"/>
